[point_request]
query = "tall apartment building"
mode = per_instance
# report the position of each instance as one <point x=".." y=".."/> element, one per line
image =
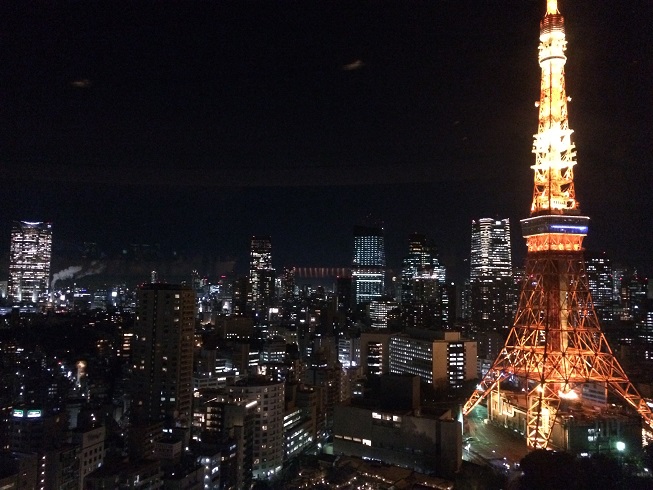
<point x="368" y="264"/>
<point x="268" y="437"/>
<point x="261" y="275"/>
<point x="162" y="354"/>
<point x="227" y="423"/>
<point x="29" y="260"/>
<point x="91" y="451"/>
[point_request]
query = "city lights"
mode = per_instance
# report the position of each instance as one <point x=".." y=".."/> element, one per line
<point x="402" y="334"/>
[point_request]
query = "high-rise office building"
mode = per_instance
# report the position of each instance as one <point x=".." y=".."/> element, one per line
<point x="374" y="352"/>
<point x="29" y="260"/>
<point x="368" y="265"/>
<point x="424" y="310"/>
<point x="491" y="253"/>
<point x="600" y="280"/>
<point x="162" y="354"/>
<point x="421" y="261"/>
<point x="490" y="274"/>
<point x="261" y="274"/>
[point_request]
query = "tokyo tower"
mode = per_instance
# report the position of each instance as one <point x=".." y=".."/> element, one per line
<point x="556" y="344"/>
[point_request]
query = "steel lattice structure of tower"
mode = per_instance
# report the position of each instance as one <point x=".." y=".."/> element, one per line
<point x="556" y="343"/>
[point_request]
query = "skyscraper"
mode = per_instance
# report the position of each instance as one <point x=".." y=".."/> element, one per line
<point x="162" y="354"/>
<point x="368" y="265"/>
<point x="599" y="276"/>
<point x="421" y="261"/>
<point x="423" y="292"/>
<point x="261" y="274"/>
<point x="29" y="260"/>
<point x="490" y="274"/>
<point x="491" y="253"/>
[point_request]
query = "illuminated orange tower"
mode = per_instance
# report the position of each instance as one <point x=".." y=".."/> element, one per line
<point x="556" y="343"/>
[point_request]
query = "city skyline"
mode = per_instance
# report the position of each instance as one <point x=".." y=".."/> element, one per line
<point x="402" y="112"/>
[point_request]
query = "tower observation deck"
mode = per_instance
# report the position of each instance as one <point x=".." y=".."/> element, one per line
<point x="556" y="344"/>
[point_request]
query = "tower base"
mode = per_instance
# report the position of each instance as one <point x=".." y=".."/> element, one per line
<point x="579" y="428"/>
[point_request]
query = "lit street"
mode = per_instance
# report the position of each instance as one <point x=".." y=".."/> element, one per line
<point x="485" y="443"/>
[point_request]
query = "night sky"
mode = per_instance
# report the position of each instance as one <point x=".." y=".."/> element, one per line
<point x="197" y="124"/>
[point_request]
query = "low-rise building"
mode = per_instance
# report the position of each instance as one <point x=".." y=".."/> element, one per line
<point x="442" y="359"/>
<point x="429" y="444"/>
<point x="389" y="425"/>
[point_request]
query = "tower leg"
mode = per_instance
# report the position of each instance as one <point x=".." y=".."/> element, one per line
<point x="543" y="404"/>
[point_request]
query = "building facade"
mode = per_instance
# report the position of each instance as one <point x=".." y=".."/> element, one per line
<point x="375" y="352"/>
<point x="491" y="252"/>
<point x="379" y="310"/>
<point x="33" y="430"/>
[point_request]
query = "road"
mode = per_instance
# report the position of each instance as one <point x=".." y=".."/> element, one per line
<point x="485" y="443"/>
